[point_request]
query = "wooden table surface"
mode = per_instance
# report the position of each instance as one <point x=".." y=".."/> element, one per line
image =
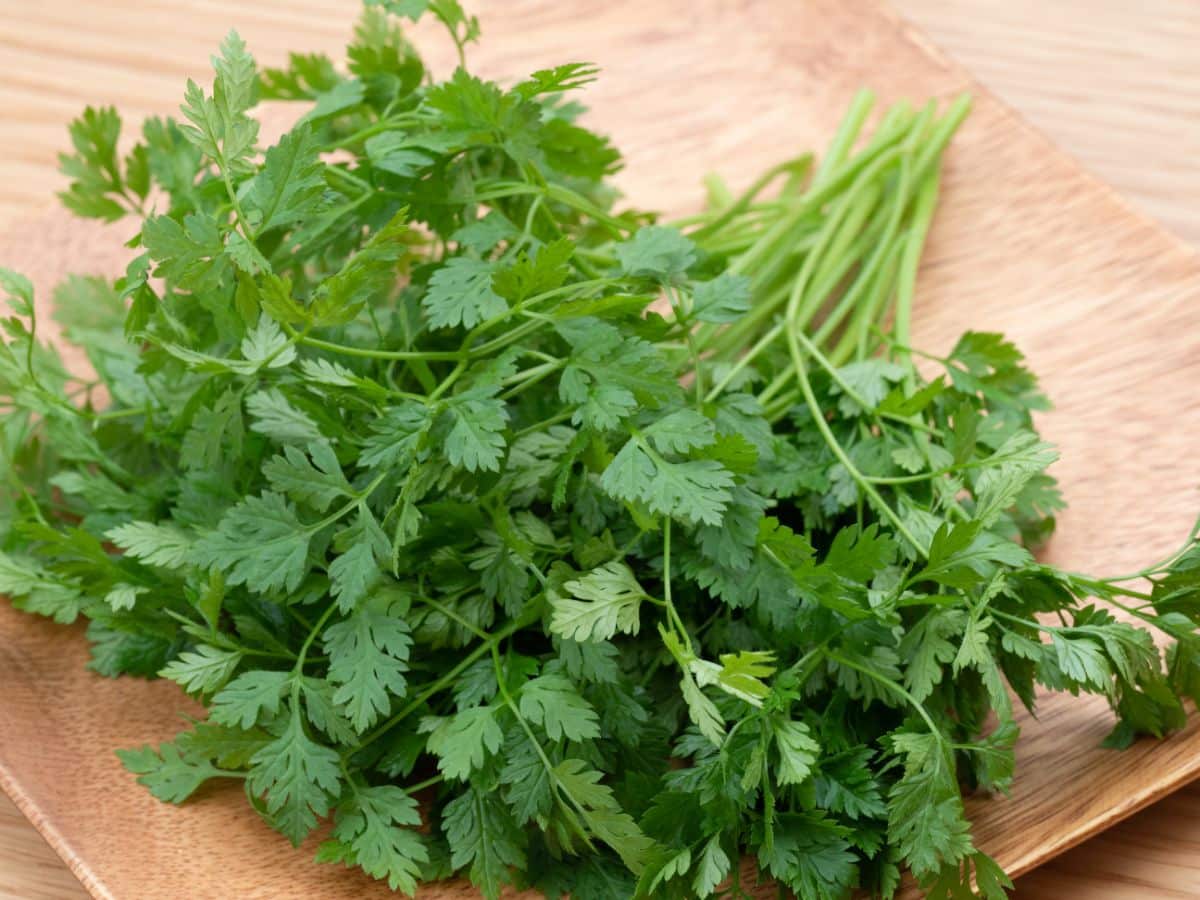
<point x="1115" y="84"/>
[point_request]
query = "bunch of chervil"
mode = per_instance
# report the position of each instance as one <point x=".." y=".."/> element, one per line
<point x="610" y="550"/>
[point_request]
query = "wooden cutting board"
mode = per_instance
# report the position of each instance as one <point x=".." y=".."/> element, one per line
<point x="1106" y="305"/>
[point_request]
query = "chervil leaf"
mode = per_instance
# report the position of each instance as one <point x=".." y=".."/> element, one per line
<point x="395" y="436"/>
<point x="299" y="778"/>
<point x="170" y="775"/>
<point x="483" y="836"/>
<point x="475" y="440"/>
<point x="656" y="252"/>
<point x="925" y="813"/>
<point x="94" y="168"/>
<point x="460" y="293"/>
<point x="741" y="674"/>
<point x="266" y="347"/>
<point x="273" y="415"/>
<point x="157" y="545"/>
<point x="190" y="254"/>
<point x="369" y="831"/>
<point x="695" y="490"/>
<point x="712" y="868"/>
<point x="463" y="741"/>
<point x="288" y="188"/>
<point x="552" y="702"/>
<point x="605" y="601"/>
<point x="38" y="591"/>
<point x="314" y="478"/>
<point x="1008" y="471"/>
<point x="545" y="271"/>
<point x="220" y="126"/>
<point x="248" y="698"/>
<point x="681" y="431"/>
<point x="962" y="555"/>
<point x="373" y="271"/>
<point x="368" y="656"/>
<point x="797" y="751"/>
<point x="529" y="791"/>
<point x="609" y="376"/>
<point x="229" y="747"/>
<point x="259" y="543"/>
<point x="204" y="670"/>
<point x="603" y="814"/>
<point x="356" y="570"/>
<point x="725" y="298"/>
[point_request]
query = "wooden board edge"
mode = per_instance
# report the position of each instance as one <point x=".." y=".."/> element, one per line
<point x="42" y="823"/>
<point x="1114" y="815"/>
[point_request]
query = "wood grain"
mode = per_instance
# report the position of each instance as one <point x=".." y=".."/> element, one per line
<point x="1106" y="304"/>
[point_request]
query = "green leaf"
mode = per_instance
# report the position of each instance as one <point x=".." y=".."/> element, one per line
<point x="273" y="415"/>
<point x="712" y="867"/>
<point x="463" y="741"/>
<point x="124" y="596"/>
<point x="475" y="440"/>
<point x="797" y="751"/>
<point x="259" y="543"/>
<point x="694" y="491"/>
<point x="962" y="555"/>
<point x="974" y="650"/>
<point x="603" y="814"/>
<point x="740" y="674"/>
<point x="460" y="293"/>
<point x="94" y="169"/>
<point x="203" y="670"/>
<point x="927" y="647"/>
<point x="1007" y="471"/>
<point x="552" y="702"/>
<point x="528" y="277"/>
<point x="811" y="854"/>
<point x="228" y="747"/>
<point x="609" y="375"/>
<point x="154" y="544"/>
<point x="299" y="777"/>
<point x="483" y="835"/>
<point x="170" y="776"/>
<point x="189" y="254"/>
<point x="266" y="347"/>
<point x="288" y="187"/>
<point x="656" y="251"/>
<point x="220" y="127"/>
<point x="38" y="591"/>
<point x="375" y="828"/>
<point x="701" y="710"/>
<point x="725" y="298"/>
<point x="1082" y="660"/>
<point x="371" y="272"/>
<point x="368" y="656"/>
<point x="529" y="792"/>
<point x="356" y="569"/>
<point x="605" y="600"/>
<point x="870" y="381"/>
<point x="314" y="478"/>
<point x="680" y="431"/>
<point x="925" y="811"/>
<point x="847" y="786"/>
<point x="396" y="436"/>
<point x="249" y="698"/>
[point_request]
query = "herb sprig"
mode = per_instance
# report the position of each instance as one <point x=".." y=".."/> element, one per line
<point x="611" y="550"/>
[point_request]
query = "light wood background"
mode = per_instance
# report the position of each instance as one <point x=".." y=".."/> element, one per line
<point x="1116" y="84"/>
